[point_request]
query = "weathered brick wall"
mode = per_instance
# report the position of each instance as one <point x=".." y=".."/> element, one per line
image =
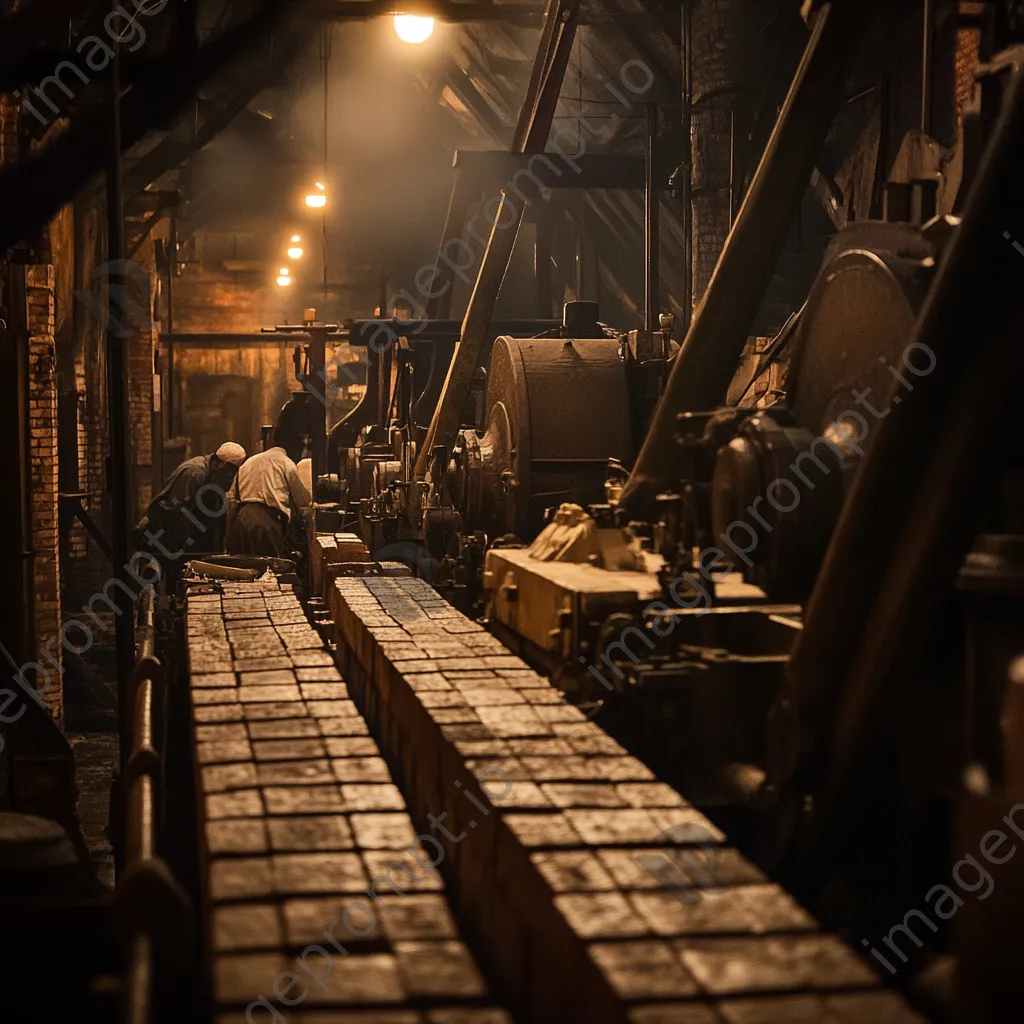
<point x="87" y="566"/>
<point x="741" y="52"/>
<point x="8" y="130"/>
<point x="141" y="347"/>
<point x="43" y="423"/>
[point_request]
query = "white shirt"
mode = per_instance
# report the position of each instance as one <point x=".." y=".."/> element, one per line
<point x="305" y="468"/>
<point x="271" y="478"/>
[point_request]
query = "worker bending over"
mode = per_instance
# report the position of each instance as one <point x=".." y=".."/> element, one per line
<point x="188" y="516"/>
<point x="268" y="490"/>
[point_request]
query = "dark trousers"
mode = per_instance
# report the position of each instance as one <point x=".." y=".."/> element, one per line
<point x="258" y="530"/>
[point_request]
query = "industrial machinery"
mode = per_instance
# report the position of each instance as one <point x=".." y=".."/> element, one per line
<point x="706" y="580"/>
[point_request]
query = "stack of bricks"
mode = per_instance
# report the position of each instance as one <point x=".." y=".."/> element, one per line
<point x="39" y="318"/>
<point x="551" y="833"/>
<point x="334" y="549"/>
<point x="317" y="892"/>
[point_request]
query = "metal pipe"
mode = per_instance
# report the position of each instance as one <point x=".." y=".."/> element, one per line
<point x="686" y="193"/>
<point x="705" y="366"/>
<point x="448" y="416"/>
<point x="732" y="165"/>
<point x="442" y="281"/>
<point x="318" y="384"/>
<point x="542" y="259"/>
<point x="172" y="267"/>
<point x="927" y="65"/>
<point x="531" y="134"/>
<point x="652" y="290"/>
<point x="117" y="406"/>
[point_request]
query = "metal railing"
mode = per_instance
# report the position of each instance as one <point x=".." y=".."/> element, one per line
<point x="153" y="911"/>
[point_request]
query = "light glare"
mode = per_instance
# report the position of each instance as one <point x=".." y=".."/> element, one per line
<point x="411" y="28"/>
<point x="295" y="253"/>
<point x="284" y="281"/>
<point x="316" y="201"/>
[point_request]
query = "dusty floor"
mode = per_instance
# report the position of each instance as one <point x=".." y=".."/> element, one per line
<point x="95" y="760"/>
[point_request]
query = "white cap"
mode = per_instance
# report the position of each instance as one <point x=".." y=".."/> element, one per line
<point x="231" y="452"/>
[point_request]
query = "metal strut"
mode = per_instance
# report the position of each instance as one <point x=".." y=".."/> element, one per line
<point x="705" y="366"/>
<point x="531" y="136"/>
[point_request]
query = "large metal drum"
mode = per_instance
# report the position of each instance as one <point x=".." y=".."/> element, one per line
<point x="556" y="410"/>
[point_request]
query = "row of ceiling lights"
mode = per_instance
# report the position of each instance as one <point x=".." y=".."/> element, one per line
<point x="410" y="28"/>
<point x="316" y="200"/>
<point x="295" y="252"/>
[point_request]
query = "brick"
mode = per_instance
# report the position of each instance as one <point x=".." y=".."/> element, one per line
<point x="383" y="831"/>
<point x="367" y="979"/>
<point x="246" y="926"/>
<point x="348" y="918"/>
<point x="439" y="970"/>
<point x="360" y="797"/>
<point x="220" y="778"/>
<point x="642" y="969"/>
<point x="310" y="833"/>
<point x="243" y="803"/>
<point x="296" y="873"/>
<point x="573" y="871"/>
<point x="735" y="966"/>
<point x="288" y="750"/>
<point x="284" y="729"/>
<point x="294" y="773"/>
<point x="236" y="836"/>
<point x="419" y="916"/>
<point x="750" y="909"/>
<point x="240" y="878"/>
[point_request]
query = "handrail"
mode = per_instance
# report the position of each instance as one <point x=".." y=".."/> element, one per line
<point x="153" y="909"/>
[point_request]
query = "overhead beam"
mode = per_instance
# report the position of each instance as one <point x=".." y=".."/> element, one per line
<point x="478" y="10"/>
<point x="702" y="371"/>
<point x="552" y="171"/>
<point x="172" y="153"/>
<point x="531" y="136"/>
<point x="22" y="29"/>
<point x="33" y="190"/>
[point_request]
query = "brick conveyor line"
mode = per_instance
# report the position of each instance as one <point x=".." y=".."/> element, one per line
<point x="551" y="828"/>
<point x="302" y="834"/>
<point x="536" y="832"/>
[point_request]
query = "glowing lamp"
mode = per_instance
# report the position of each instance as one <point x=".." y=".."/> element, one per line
<point x="283" y="281"/>
<point x="317" y="200"/>
<point x="295" y="252"/>
<point x="411" y="28"/>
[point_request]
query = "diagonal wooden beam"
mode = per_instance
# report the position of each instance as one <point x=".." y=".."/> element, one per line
<point x="172" y="153"/>
<point x="33" y="190"/>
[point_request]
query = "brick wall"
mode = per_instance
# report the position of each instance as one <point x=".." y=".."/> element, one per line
<point x="87" y="566"/>
<point x="141" y="348"/>
<point x="741" y="52"/>
<point x="8" y="130"/>
<point x="43" y="421"/>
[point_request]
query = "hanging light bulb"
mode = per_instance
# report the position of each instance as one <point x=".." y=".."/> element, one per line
<point x="411" y="28"/>
<point x="283" y="281"/>
<point x="295" y="252"/>
<point x="317" y="200"/>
